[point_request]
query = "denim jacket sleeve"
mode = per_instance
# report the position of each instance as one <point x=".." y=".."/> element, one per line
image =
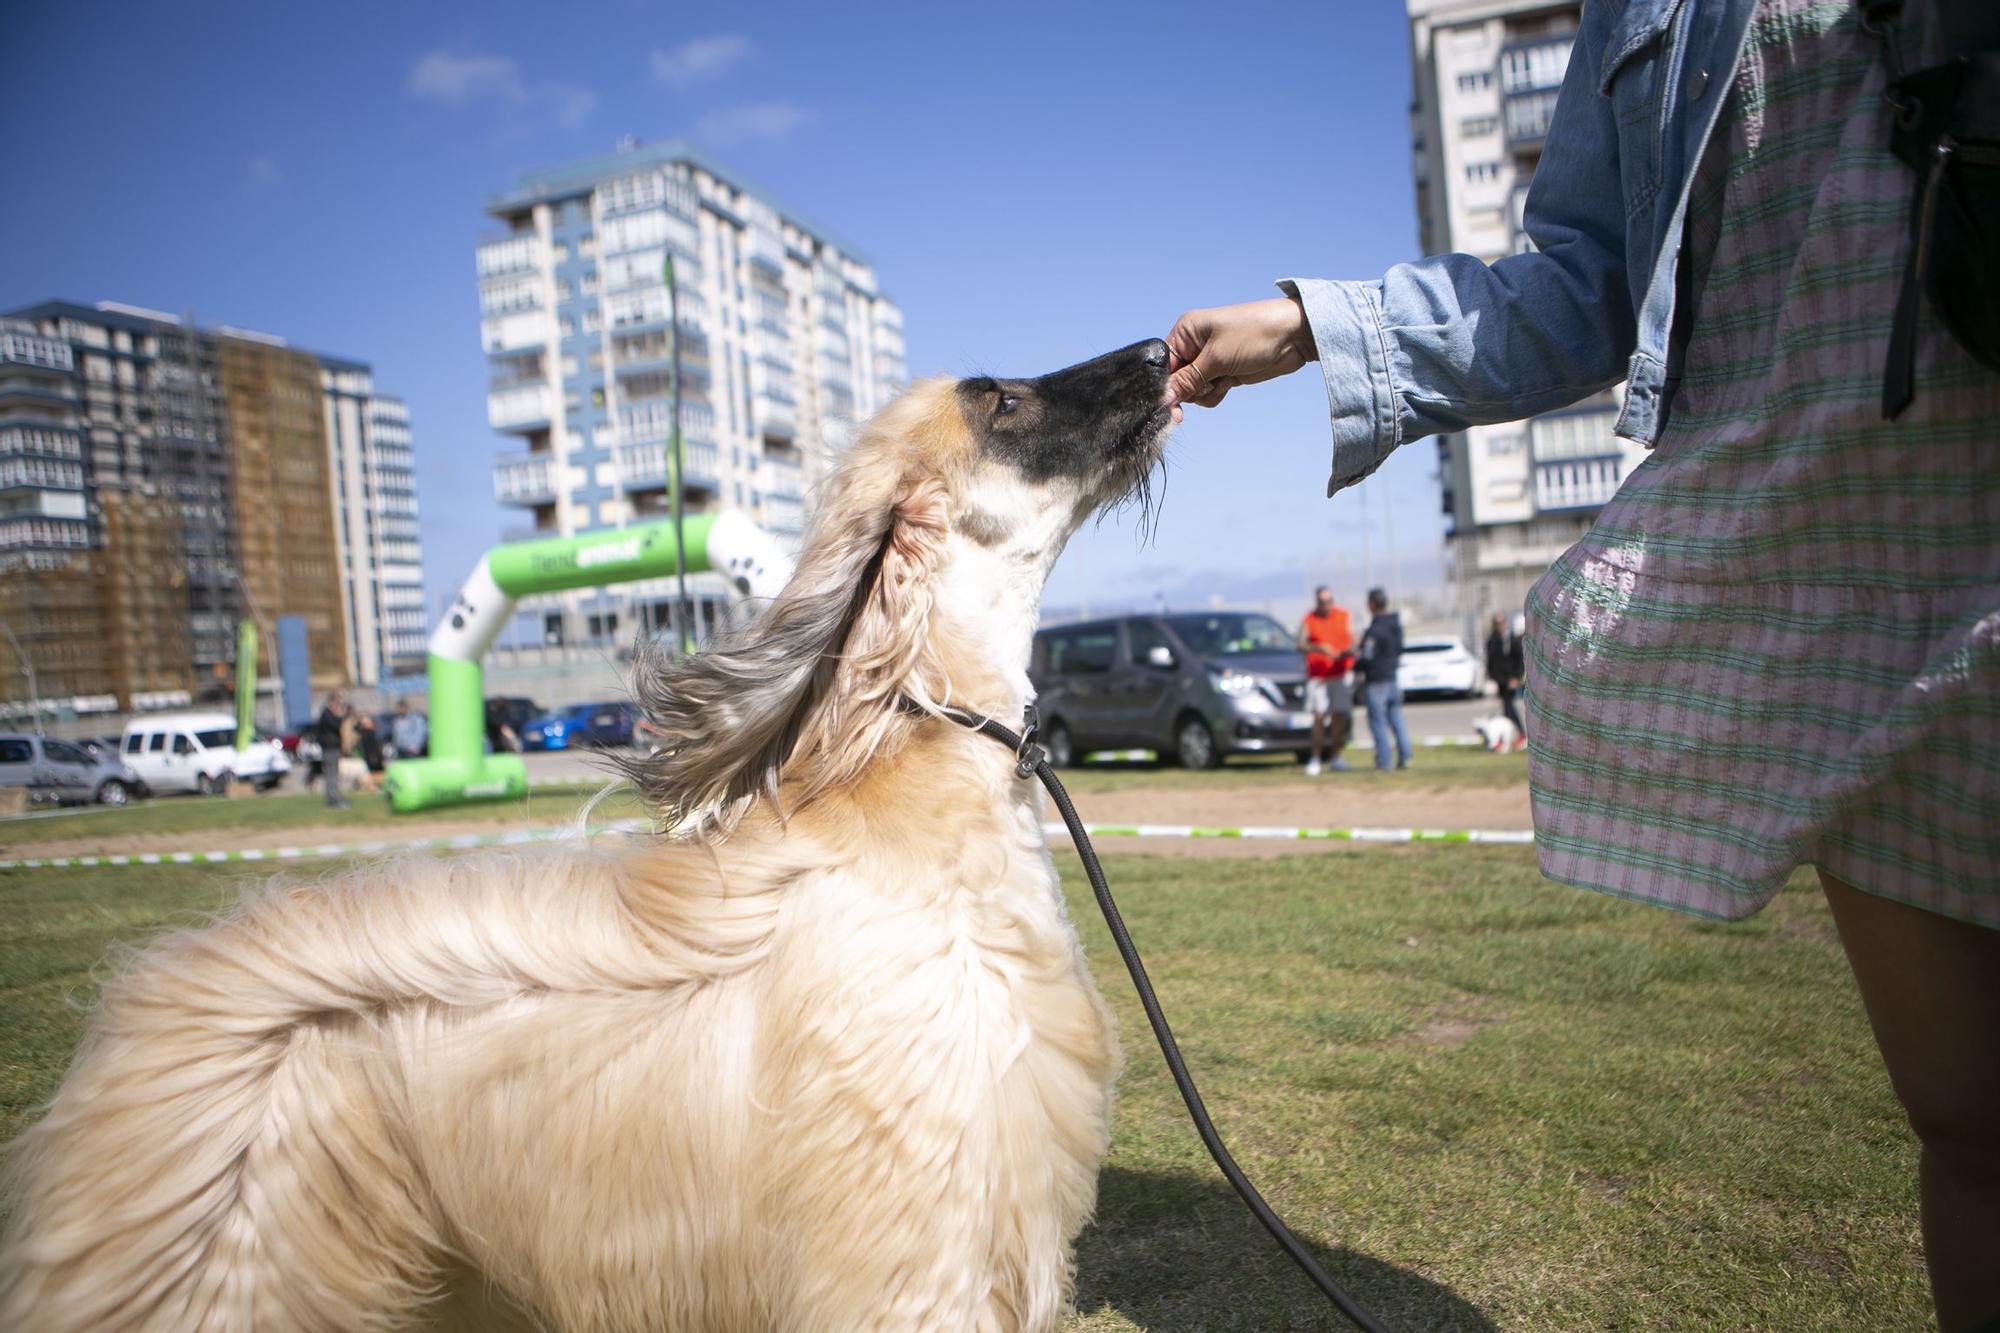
<point x="1449" y="342"/>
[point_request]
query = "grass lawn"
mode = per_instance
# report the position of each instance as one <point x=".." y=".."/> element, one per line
<point x="367" y="815"/>
<point x="1491" y="1102"/>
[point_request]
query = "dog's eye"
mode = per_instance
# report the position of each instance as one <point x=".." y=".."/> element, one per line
<point x="1006" y="403"/>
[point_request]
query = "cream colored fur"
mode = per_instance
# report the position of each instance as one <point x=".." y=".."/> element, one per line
<point x="837" y="1064"/>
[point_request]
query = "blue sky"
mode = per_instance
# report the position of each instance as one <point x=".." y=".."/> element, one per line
<point x="1034" y="183"/>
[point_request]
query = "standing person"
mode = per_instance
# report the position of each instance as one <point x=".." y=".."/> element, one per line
<point x="1779" y="643"/>
<point x="1381" y="654"/>
<point x="500" y="737"/>
<point x="410" y="732"/>
<point x="368" y="743"/>
<point x="1327" y="639"/>
<point x="1506" y="664"/>
<point x="327" y="731"/>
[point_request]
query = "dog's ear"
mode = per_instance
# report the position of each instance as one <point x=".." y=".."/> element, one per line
<point x="809" y="689"/>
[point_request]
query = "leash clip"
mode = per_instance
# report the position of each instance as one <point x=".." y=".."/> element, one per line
<point x="1030" y="756"/>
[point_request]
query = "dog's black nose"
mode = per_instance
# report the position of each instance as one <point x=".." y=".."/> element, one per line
<point x="1153" y="352"/>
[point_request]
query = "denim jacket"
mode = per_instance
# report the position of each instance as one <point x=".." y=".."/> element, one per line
<point x="1449" y="342"/>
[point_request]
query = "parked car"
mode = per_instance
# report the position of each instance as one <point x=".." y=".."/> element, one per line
<point x="1195" y="688"/>
<point x="516" y="710"/>
<point x="1439" y="664"/>
<point x="581" y="726"/>
<point x="197" y="752"/>
<point x="64" y="772"/>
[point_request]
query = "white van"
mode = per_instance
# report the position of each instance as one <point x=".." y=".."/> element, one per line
<point x="197" y="752"/>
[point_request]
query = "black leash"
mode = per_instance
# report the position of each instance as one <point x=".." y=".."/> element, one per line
<point x="1032" y="761"/>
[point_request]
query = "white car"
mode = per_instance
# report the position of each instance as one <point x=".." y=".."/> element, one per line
<point x="1439" y="664"/>
<point x="197" y="752"/>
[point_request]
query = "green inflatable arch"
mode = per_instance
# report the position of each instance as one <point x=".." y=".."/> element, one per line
<point x="458" y="769"/>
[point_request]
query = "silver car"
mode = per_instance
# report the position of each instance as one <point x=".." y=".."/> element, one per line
<point x="63" y="772"/>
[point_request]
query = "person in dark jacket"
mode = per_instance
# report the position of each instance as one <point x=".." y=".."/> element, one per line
<point x="327" y="729"/>
<point x="1380" y="656"/>
<point x="1506" y="667"/>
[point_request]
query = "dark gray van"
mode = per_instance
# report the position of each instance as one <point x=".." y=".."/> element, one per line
<point x="1195" y="687"/>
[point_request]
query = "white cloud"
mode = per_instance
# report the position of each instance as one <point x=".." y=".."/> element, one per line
<point x="758" y="120"/>
<point x="459" y="80"/>
<point x="443" y="77"/>
<point x="264" y="170"/>
<point x="702" y="58"/>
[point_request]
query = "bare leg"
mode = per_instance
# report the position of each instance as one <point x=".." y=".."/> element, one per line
<point x="1319" y="736"/>
<point x="1932" y="989"/>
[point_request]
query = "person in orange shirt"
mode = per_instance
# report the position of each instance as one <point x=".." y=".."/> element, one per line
<point x="1326" y="637"/>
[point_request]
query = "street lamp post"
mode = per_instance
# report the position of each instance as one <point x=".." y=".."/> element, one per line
<point x="683" y="610"/>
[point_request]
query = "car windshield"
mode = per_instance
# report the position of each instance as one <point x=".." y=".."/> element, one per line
<point x="216" y="740"/>
<point x="1228" y="633"/>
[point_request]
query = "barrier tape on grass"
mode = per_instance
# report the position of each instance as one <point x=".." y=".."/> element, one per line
<point x="331" y="851"/>
<point x="1289" y="832"/>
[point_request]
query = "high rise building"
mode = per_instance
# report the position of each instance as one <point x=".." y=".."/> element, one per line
<point x="1485" y="76"/>
<point x="375" y="495"/>
<point x="160" y="481"/>
<point x="785" y="342"/>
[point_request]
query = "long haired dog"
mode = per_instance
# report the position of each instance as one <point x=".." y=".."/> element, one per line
<point x="827" y="1059"/>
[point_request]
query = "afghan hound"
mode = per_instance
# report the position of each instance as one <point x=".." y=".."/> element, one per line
<point x="821" y="1055"/>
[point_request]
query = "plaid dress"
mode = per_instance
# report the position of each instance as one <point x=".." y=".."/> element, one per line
<point x="1780" y="643"/>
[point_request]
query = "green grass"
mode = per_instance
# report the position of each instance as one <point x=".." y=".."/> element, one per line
<point x="1430" y="770"/>
<point x="192" y="814"/>
<point x="1487" y="1101"/>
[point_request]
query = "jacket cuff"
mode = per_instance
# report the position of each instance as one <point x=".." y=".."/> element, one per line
<point x="1346" y="321"/>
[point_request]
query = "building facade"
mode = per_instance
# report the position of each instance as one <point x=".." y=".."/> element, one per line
<point x="159" y="482"/>
<point x="785" y="343"/>
<point x="375" y="498"/>
<point x="1484" y="78"/>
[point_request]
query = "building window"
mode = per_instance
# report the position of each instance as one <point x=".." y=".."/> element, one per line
<point x="1475" y="126"/>
<point x="1477" y="81"/>
<point x="1481" y="172"/>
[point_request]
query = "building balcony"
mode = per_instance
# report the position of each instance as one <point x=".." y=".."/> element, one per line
<point x="651" y="422"/>
<point x="1527" y="117"/>
<point x="517" y="253"/>
<point x="643" y="467"/>
<point x="1535" y="65"/>
<point x="785" y="514"/>
<point x="764" y="250"/>
<point x="1566" y="436"/>
<point x="523" y="407"/>
<point x="775" y="417"/>
<point x="1587" y="483"/>
<point x="24" y="348"/>
<point x="524" y="479"/>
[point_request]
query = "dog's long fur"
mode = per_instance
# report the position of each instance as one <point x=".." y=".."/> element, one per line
<point x="829" y="1060"/>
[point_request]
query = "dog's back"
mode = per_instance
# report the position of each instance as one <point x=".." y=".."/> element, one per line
<point x="234" y="1146"/>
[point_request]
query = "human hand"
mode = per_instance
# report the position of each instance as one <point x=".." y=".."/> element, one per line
<point x="1210" y="352"/>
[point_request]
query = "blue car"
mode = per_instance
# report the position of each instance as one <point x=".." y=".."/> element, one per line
<point x="581" y="726"/>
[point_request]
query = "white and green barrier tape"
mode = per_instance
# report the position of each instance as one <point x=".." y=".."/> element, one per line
<point x="332" y="851"/>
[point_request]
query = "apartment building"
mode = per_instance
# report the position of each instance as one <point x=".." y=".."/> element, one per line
<point x="786" y="341"/>
<point x="159" y="482"/>
<point x="1485" y="77"/>
<point x="375" y="500"/>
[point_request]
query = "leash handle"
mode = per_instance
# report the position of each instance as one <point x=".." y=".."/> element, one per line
<point x="1031" y="759"/>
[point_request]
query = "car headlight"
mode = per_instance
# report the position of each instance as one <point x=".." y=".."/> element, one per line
<point x="1231" y="681"/>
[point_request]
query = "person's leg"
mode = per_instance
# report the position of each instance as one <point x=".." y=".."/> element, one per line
<point x="1507" y="693"/>
<point x="1378" y="720"/>
<point x="1931" y="986"/>
<point x="1319" y="738"/>
<point x="1341" y="723"/>
<point x="1396" y="719"/>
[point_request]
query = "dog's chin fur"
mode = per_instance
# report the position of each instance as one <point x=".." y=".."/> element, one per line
<point x="834" y="1063"/>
